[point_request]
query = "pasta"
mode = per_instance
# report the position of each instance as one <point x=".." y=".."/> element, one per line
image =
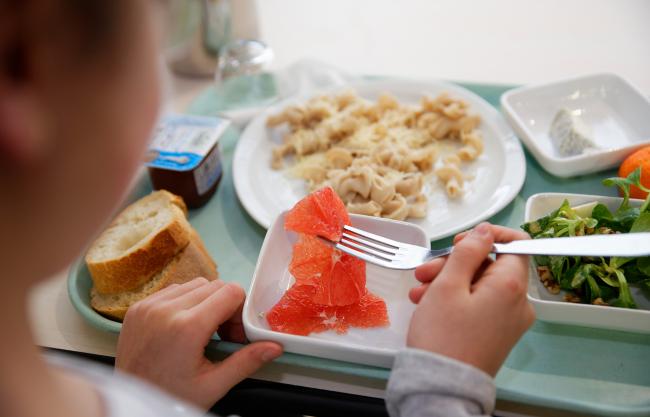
<point x="451" y="175"/>
<point x="378" y="156"/>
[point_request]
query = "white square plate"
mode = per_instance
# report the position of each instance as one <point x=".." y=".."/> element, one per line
<point x="365" y="346"/>
<point x="552" y="308"/>
<point x="616" y="112"/>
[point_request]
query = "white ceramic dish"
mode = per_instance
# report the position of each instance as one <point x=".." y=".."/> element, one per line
<point x="616" y="112"/>
<point x="498" y="174"/>
<point x="552" y="308"/>
<point x="366" y="346"/>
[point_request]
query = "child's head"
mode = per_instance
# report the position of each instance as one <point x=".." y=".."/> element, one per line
<point x="78" y="97"/>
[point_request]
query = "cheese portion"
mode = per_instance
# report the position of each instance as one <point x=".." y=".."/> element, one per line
<point x="569" y="134"/>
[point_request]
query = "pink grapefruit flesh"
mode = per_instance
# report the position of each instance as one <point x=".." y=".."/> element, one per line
<point x="330" y="289"/>
<point x="321" y="213"/>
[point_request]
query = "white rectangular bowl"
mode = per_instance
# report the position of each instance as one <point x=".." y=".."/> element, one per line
<point x="365" y="346"/>
<point x="615" y="110"/>
<point x="549" y="307"/>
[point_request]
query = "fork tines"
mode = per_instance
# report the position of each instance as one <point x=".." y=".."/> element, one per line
<point x="367" y="245"/>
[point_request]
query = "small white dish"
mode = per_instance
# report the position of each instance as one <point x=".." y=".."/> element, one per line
<point x="616" y="112"/>
<point x="550" y="307"/>
<point x="365" y="346"/>
<point x="496" y="176"/>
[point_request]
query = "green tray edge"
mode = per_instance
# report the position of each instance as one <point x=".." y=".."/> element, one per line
<point x="490" y="92"/>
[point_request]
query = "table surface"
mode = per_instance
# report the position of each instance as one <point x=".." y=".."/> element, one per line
<point x="501" y="41"/>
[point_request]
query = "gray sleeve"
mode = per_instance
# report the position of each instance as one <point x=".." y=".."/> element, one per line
<point x="426" y="384"/>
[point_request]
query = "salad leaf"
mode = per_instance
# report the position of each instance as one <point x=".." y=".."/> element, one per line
<point x="562" y="222"/>
<point x="567" y="276"/>
<point x="540" y="225"/>
<point x="636" y="272"/>
<point x="601" y="213"/>
<point x="573" y="227"/>
<point x="616" y="262"/>
<point x="619" y="222"/>
<point x="593" y="290"/>
<point x="624" y="296"/>
<point x="542" y="260"/>
<point x="624" y="219"/>
<point x="641" y="224"/>
<point x="607" y="293"/>
<point x="605" y="275"/>
<point x="643" y="264"/>
<point x="581" y="274"/>
<point x="559" y="264"/>
<point x="624" y="184"/>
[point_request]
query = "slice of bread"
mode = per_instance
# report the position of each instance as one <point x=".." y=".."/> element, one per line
<point x="138" y="244"/>
<point x="191" y="262"/>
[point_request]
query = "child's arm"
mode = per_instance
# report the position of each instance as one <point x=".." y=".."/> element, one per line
<point x="164" y="336"/>
<point x="471" y="312"/>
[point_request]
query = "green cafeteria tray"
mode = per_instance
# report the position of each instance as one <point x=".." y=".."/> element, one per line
<point x="586" y="370"/>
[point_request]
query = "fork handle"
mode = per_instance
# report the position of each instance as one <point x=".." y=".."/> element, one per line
<point x="623" y="245"/>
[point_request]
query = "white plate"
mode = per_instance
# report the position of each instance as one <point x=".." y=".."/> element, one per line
<point x="615" y="110"/>
<point x="552" y="308"/>
<point x="366" y="346"/>
<point x="498" y="174"/>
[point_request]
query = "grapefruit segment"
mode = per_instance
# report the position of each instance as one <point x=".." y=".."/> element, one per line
<point x="370" y="311"/>
<point x="321" y="213"/>
<point x="345" y="284"/>
<point x="297" y="313"/>
<point x="340" y="279"/>
<point x="311" y="258"/>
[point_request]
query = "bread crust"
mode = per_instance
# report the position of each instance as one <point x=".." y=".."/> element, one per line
<point x="136" y="267"/>
<point x="192" y="262"/>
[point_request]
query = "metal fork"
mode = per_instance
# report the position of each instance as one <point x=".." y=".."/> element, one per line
<point x="389" y="253"/>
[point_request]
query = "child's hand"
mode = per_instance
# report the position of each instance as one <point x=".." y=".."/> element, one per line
<point x="164" y="336"/>
<point x="475" y="309"/>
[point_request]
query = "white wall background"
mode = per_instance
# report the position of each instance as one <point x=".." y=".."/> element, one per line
<point x="500" y="41"/>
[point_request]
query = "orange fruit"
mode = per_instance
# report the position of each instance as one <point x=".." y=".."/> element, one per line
<point x="297" y="313"/>
<point x="321" y="213"/>
<point x="340" y="279"/>
<point x="640" y="158"/>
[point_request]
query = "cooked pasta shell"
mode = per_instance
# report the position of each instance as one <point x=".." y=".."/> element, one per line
<point x="369" y="208"/>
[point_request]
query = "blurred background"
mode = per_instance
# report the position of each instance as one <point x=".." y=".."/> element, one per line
<point x="499" y="41"/>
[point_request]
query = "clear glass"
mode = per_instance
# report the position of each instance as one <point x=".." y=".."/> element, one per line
<point x="242" y="78"/>
<point x="243" y="57"/>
